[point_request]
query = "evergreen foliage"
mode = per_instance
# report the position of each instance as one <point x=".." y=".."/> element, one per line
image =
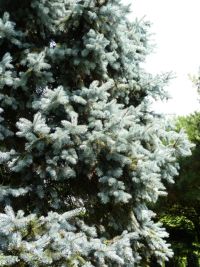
<point x="82" y="154"/>
<point x="180" y="211"/>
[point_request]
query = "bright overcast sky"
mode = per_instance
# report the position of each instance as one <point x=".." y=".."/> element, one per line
<point x="176" y="26"/>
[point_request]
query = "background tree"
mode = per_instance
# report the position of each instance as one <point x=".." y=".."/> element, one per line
<point x="180" y="211"/>
<point x="82" y="153"/>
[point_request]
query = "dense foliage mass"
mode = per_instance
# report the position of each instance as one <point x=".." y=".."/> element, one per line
<point x="180" y="211"/>
<point x="82" y="155"/>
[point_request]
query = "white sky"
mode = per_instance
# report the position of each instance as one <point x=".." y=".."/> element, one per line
<point x="176" y="24"/>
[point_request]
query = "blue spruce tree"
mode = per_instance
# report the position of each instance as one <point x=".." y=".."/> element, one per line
<point x="82" y="154"/>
